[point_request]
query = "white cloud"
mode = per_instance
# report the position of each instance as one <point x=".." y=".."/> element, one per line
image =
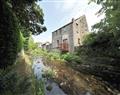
<point x="76" y="8"/>
<point x="72" y="9"/>
<point x="68" y="4"/>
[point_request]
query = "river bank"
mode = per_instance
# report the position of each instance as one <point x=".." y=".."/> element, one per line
<point x="76" y="83"/>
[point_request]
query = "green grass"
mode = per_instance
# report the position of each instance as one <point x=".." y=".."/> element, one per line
<point x="40" y="87"/>
<point x="19" y="79"/>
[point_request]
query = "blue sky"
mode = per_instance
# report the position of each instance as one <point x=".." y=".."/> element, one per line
<point x="59" y="12"/>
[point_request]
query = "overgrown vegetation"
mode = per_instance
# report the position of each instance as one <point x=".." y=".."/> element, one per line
<point x="18" y="16"/>
<point x="35" y="51"/>
<point x="39" y="87"/>
<point x="16" y="79"/>
<point x="19" y="20"/>
<point x="9" y="36"/>
<point x="71" y="58"/>
<point x="100" y="52"/>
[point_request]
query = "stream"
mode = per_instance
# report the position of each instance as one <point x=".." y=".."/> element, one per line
<point x="68" y="81"/>
<point x="38" y="68"/>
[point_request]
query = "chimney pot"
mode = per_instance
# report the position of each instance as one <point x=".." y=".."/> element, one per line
<point x="72" y="19"/>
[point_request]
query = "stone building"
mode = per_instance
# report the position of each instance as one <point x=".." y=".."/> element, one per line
<point x="47" y="46"/>
<point x="70" y="36"/>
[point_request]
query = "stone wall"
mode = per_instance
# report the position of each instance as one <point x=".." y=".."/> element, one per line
<point x="80" y="29"/>
<point x="74" y="32"/>
<point x="61" y="34"/>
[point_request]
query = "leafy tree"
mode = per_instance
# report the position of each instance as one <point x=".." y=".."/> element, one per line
<point x="108" y="28"/>
<point x="111" y="22"/>
<point x="31" y="44"/>
<point x="9" y="35"/>
<point x="17" y="16"/>
<point x="30" y="15"/>
<point x="89" y="39"/>
<point x="101" y="49"/>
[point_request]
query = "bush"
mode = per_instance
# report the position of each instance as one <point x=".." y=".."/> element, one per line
<point x="9" y="36"/>
<point x="48" y="73"/>
<point x="39" y="87"/>
<point x="54" y="56"/>
<point x="72" y="58"/>
<point x="51" y="56"/>
<point x="13" y="84"/>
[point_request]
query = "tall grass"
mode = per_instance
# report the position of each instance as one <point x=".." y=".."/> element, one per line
<point x="19" y="79"/>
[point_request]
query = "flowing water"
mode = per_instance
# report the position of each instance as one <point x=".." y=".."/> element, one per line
<point x="38" y="67"/>
<point x="68" y="81"/>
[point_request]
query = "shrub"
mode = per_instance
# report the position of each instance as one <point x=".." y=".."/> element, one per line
<point x="9" y="36"/>
<point x="39" y="87"/>
<point x="72" y="58"/>
<point x="13" y="84"/>
<point x="48" y="73"/>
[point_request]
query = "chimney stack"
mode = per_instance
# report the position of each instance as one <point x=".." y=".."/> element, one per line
<point x="73" y="19"/>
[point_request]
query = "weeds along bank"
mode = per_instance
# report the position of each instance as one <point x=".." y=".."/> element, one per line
<point x="18" y="79"/>
<point x="54" y="56"/>
<point x="71" y="81"/>
<point x="61" y="73"/>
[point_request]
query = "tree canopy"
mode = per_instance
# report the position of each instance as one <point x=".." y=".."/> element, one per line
<point x="111" y="9"/>
<point x="29" y="14"/>
<point x="19" y="18"/>
<point x="101" y="48"/>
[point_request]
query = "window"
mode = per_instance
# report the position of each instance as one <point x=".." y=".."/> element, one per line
<point x="78" y="40"/>
<point x="60" y="31"/>
<point x="65" y="44"/>
<point x="77" y="25"/>
<point x="65" y="41"/>
<point x="80" y="21"/>
<point x="55" y="32"/>
<point x="57" y="43"/>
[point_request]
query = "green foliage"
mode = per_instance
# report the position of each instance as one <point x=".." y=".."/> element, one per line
<point x="12" y="84"/>
<point x="72" y="58"/>
<point x="18" y="79"/>
<point x="29" y="14"/>
<point x="54" y="56"/>
<point x="25" y="35"/>
<point x="107" y="36"/>
<point x="19" y="19"/>
<point x="89" y="39"/>
<point x="9" y="36"/>
<point x="36" y="51"/>
<point x="48" y="74"/>
<point x="31" y="44"/>
<point x="21" y="42"/>
<point x="111" y="22"/>
<point x="39" y="87"/>
<point x="100" y="52"/>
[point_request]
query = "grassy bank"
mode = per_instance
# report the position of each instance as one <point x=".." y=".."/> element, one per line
<point x="18" y="79"/>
